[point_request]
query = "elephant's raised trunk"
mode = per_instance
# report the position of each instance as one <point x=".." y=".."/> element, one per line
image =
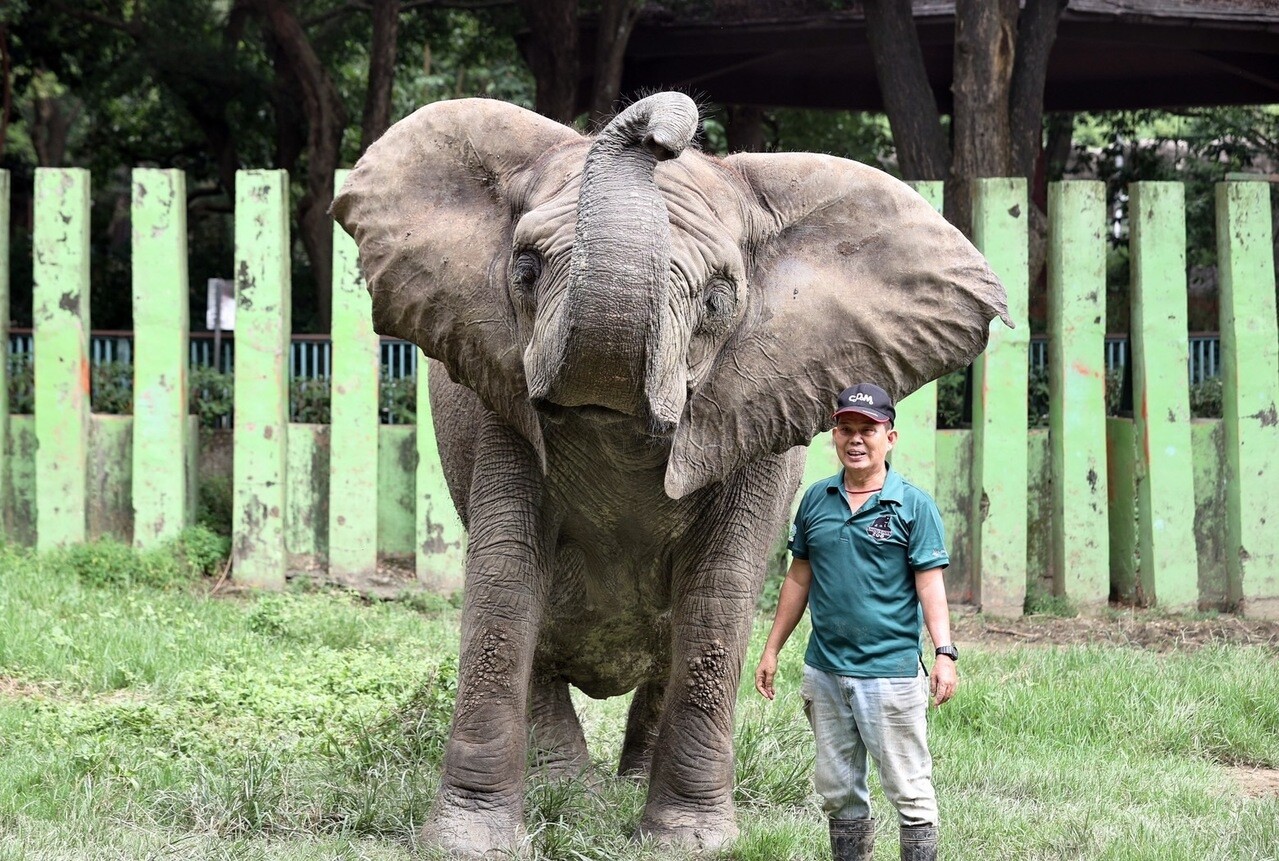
<point x="603" y="345"/>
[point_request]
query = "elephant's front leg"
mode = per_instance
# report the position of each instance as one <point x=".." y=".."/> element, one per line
<point x="479" y="807"/>
<point x="716" y="582"/>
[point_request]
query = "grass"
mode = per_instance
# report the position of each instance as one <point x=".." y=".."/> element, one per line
<point x="142" y="718"/>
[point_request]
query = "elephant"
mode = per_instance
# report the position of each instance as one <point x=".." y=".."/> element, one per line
<point x="631" y="344"/>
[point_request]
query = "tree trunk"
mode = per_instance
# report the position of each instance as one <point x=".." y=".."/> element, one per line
<point x="326" y="120"/>
<point x="377" y="98"/>
<point x="553" y="55"/>
<point x="51" y="128"/>
<point x="985" y="45"/>
<point x="617" y="20"/>
<point x="922" y="150"/>
<point x="744" y="128"/>
<point x="1036" y="33"/>
<point x="6" y="102"/>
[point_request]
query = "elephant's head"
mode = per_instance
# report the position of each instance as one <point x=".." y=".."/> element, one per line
<point x="721" y="303"/>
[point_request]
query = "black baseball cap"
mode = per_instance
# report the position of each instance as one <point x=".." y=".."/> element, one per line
<point x="868" y="400"/>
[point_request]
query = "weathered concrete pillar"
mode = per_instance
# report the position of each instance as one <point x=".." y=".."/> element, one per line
<point x="161" y="329"/>
<point x="1250" y="392"/>
<point x="262" y="323"/>
<point x="353" y="477"/>
<point x="915" y="455"/>
<point x="1000" y="457"/>
<point x="441" y="540"/>
<point x="1168" y="570"/>
<point x="61" y="315"/>
<point x="1077" y="386"/>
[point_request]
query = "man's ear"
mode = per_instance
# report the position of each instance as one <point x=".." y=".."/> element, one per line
<point x="857" y="277"/>
<point x="431" y="206"/>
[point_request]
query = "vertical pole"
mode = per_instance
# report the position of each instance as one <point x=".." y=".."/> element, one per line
<point x="441" y="540"/>
<point x="1168" y="569"/>
<point x="1000" y="456"/>
<point x="61" y="316"/>
<point x="1077" y="391"/>
<point x="354" y="416"/>
<point x="262" y="276"/>
<point x="915" y="455"/>
<point x="4" y="354"/>
<point x="1250" y="392"/>
<point x="161" y="325"/>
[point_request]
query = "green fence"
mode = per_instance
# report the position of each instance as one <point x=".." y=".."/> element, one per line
<point x="1156" y="509"/>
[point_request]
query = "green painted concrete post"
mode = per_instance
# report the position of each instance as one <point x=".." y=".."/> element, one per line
<point x="1168" y="570"/>
<point x="161" y="327"/>
<point x="1077" y="383"/>
<point x="262" y="293"/>
<point x="915" y="455"/>
<point x="1000" y="456"/>
<point x="4" y="355"/>
<point x="440" y="539"/>
<point x="354" y="416"/>
<point x="1250" y="392"/>
<point x="61" y="315"/>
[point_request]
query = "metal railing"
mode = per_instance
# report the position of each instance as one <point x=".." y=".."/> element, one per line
<point x="311" y="356"/>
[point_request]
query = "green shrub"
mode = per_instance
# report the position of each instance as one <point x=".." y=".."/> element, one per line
<point x="1205" y="399"/>
<point x="310" y="400"/>
<point x="195" y="552"/>
<point x="111" y="390"/>
<point x="211" y="395"/>
<point x="399" y="399"/>
<point x="22" y="384"/>
<point x="201" y="550"/>
<point x="215" y="505"/>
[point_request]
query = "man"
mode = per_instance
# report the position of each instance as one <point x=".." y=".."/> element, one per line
<point x="867" y="557"/>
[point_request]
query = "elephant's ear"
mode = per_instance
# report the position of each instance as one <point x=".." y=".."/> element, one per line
<point x="431" y="207"/>
<point x="857" y="279"/>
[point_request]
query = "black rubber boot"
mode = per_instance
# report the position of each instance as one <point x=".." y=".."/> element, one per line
<point x="852" y="839"/>
<point x="919" y="843"/>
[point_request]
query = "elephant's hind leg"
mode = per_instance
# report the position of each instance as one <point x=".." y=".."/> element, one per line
<point x="641" y="730"/>
<point x="559" y="748"/>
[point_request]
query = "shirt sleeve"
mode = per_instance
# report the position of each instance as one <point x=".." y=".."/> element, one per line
<point x="797" y="541"/>
<point x="927" y="549"/>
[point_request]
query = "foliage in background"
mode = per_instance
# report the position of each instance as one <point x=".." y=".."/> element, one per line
<point x="212" y="395"/>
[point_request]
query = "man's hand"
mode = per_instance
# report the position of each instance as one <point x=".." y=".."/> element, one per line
<point x="764" y="674"/>
<point x="942" y="681"/>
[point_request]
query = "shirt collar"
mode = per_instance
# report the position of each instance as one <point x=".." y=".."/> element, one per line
<point x="891" y="492"/>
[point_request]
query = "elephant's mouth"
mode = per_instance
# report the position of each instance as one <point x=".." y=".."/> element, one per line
<point x="604" y="417"/>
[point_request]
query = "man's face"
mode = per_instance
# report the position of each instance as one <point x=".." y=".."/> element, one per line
<point x="862" y="443"/>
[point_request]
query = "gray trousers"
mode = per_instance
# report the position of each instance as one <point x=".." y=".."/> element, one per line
<point x="886" y="718"/>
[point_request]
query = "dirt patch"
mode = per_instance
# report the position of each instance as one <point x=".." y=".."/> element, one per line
<point x="1255" y="781"/>
<point x="1133" y="628"/>
<point x="17" y="689"/>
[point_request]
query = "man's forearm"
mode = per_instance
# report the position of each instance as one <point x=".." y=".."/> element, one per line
<point x="791" y="604"/>
<point x="931" y="588"/>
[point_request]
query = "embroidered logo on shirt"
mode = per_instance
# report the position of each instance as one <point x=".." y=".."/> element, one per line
<point x="880" y="530"/>
<point x="791" y="537"/>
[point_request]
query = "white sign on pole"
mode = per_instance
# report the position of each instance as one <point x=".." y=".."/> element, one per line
<point x="220" y="313"/>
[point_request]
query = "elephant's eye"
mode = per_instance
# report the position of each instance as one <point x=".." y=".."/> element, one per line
<point x="526" y="268"/>
<point x="720" y="299"/>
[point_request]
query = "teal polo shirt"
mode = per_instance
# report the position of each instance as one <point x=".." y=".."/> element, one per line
<point x="867" y="621"/>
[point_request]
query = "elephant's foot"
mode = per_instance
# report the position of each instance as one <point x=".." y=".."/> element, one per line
<point x="472" y="834"/>
<point x="701" y="831"/>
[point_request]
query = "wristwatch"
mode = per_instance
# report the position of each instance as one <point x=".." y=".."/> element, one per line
<point x="949" y="651"/>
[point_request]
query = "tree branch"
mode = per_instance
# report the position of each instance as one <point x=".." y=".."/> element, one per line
<point x="131" y="28"/>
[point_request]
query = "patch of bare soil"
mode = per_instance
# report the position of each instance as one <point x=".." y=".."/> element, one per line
<point x="1134" y="628"/>
<point x="1255" y="781"/>
<point x="16" y="689"/>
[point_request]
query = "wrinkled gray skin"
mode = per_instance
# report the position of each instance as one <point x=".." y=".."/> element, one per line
<point x="639" y="340"/>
